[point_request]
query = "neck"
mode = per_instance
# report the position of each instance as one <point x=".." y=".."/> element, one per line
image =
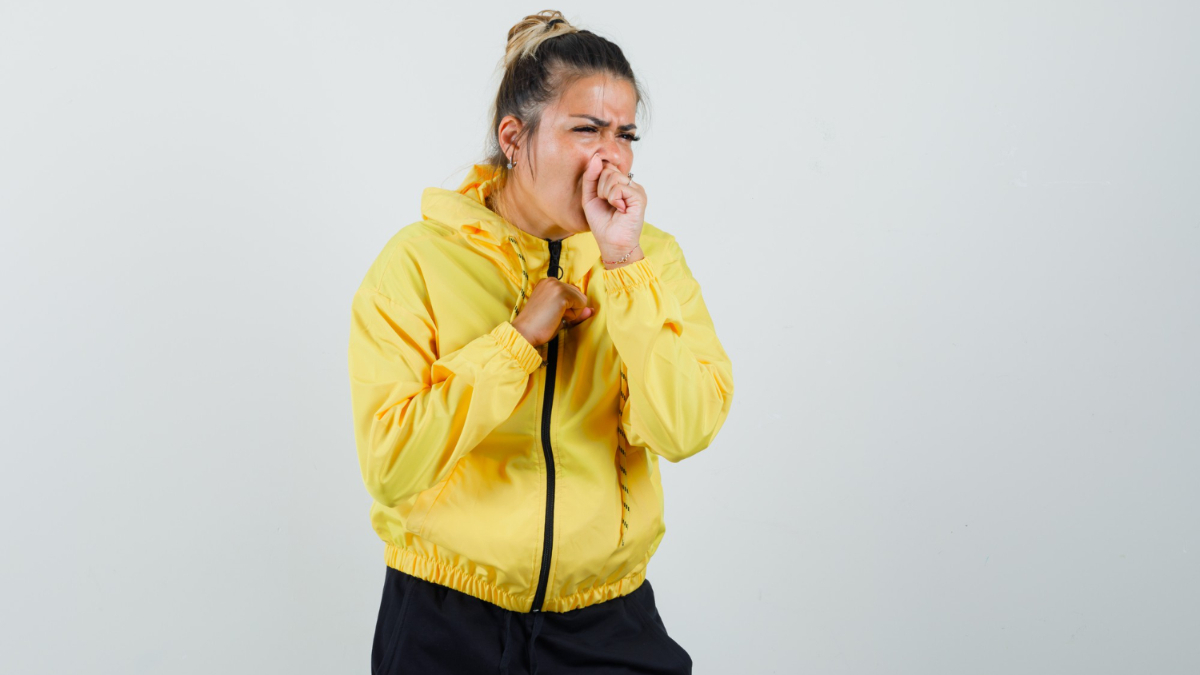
<point x="511" y="208"/>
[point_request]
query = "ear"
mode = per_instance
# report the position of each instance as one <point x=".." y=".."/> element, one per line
<point x="510" y="128"/>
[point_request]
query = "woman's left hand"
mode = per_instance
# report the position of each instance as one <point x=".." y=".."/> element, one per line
<point x="614" y="206"/>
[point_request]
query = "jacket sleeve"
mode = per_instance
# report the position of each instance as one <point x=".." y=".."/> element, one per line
<point x="417" y="413"/>
<point x="678" y="376"/>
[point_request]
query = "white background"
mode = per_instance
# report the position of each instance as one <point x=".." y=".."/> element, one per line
<point x="953" y="250"/>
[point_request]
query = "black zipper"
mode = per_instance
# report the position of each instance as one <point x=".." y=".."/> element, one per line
<point x="547" y="401"/>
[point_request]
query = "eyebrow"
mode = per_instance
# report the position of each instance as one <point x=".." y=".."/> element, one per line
<point x="604" y="123"/>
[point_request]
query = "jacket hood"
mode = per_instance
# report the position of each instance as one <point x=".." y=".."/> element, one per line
<point x="507" y="245"/>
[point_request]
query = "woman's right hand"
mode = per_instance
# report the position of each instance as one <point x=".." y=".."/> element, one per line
<point x="551" y="305"/>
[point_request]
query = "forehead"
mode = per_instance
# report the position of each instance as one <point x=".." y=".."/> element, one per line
<point x="601" y="96"/>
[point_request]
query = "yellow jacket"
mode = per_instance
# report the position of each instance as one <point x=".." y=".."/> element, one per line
<point x="457" y="416"/>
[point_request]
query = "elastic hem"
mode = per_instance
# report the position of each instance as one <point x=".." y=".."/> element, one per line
<point x="517" y="346"/>
<point x="433" y="571"/>
<point x="621" y="278"/>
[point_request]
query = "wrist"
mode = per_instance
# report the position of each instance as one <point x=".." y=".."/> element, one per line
<point x="524" y="333"/>
<point x="612" y="261"/>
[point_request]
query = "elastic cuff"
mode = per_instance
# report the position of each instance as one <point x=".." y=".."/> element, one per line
<point x="642" y="271"/>
<point x="517" y="346"/>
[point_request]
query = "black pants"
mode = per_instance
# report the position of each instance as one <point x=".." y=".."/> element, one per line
<point x="428" y="629"/>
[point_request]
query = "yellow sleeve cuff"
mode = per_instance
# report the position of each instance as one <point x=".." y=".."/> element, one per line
<point x="517" y="346"/>
<point x="642" y="271"/>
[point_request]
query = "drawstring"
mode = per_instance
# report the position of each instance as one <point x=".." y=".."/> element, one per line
<point x="487" y="201"/>
<point x="537" y="626"/>
<point x="505" y="655"/>
<point x="524" y="278"/>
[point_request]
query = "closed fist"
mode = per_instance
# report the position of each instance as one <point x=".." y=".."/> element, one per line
<point x="552" y="305"/>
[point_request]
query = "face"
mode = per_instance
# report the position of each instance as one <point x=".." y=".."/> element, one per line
<point x="593" y="116"/>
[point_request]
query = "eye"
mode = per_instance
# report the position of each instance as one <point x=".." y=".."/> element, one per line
<point x="626" y="136"/>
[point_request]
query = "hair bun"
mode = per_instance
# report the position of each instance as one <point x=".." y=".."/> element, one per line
<point x="528" y="33"/>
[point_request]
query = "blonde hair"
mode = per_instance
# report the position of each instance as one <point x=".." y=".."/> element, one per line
<point x="525" y="36"/>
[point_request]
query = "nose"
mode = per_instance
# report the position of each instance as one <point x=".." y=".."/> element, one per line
<point x="610" y="153"/>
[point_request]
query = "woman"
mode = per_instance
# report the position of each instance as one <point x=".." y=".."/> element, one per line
<point x="519" y="361"/>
